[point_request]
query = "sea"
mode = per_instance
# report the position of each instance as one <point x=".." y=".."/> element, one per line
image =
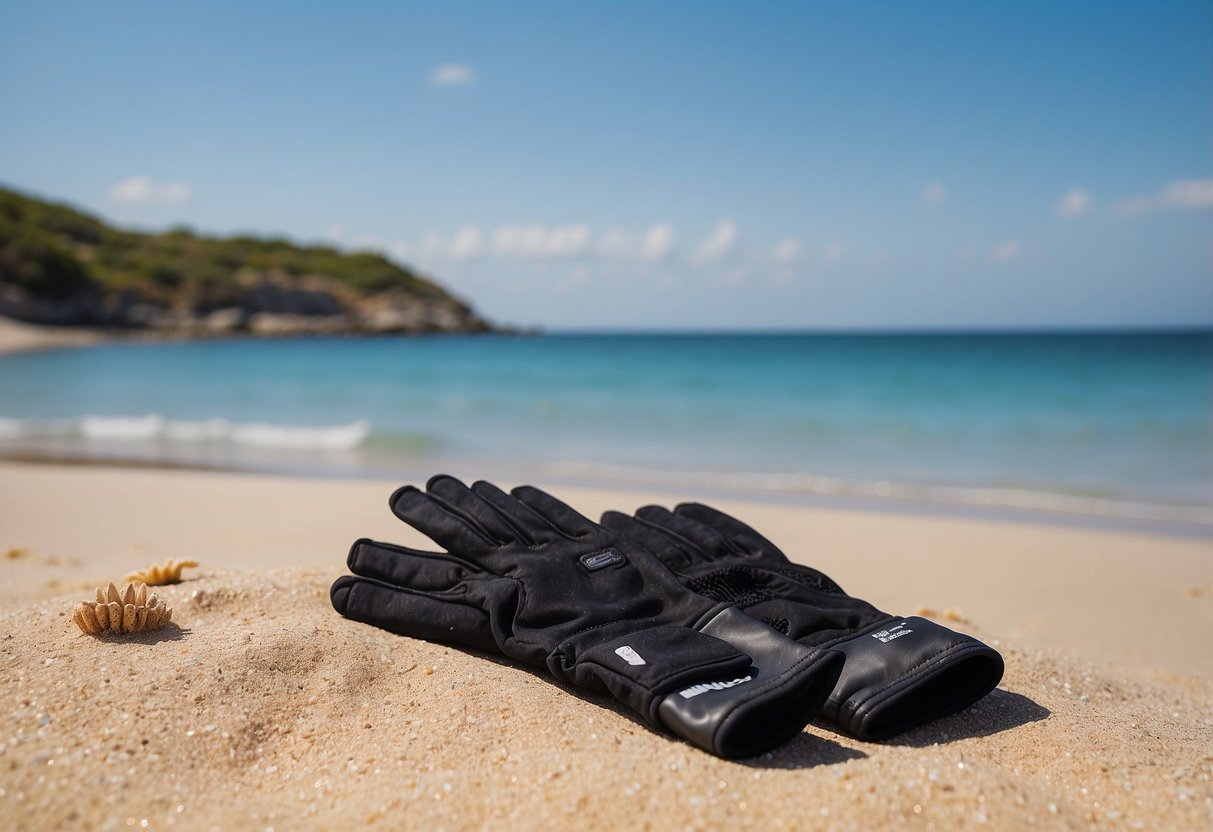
<point x="1091" y="428"/>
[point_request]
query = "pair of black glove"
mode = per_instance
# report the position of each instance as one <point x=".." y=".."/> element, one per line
<point x="690" y="618"/>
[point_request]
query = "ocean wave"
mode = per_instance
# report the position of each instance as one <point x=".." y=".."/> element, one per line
<point x="155" y="427"/>
<point x="975" y="497"/>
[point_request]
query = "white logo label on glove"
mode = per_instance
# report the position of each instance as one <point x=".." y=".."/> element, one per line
<point x="629" y="655"/>
<point x="695" y="690"/>
<point x="885" y="636"/>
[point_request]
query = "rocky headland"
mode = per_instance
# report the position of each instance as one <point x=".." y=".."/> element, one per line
<point x="63" y="268"/>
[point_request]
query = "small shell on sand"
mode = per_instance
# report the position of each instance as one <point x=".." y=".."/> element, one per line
<point x="130" y="611"/>
<point x="159" y="574"/>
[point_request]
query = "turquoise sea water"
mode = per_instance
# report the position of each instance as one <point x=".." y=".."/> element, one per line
<point x="1113" y="425"/>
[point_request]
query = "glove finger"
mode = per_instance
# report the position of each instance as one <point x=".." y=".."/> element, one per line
<point x="534" y="528"/>
<point x="448" y="619"/>
<point x="563" y="517"/>
<point x="462" y="499"/>
<point x="432" y="518"/>
<point x="671" y="551"/>
<point x="741" y="535"/>
<point x="710" y="542"/>
<point x="409" y="568"/>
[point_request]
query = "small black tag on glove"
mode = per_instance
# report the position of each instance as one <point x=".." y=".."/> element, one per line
<point x="601" y="560"/>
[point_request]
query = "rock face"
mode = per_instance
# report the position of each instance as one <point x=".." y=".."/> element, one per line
<point x="265" y="304"/>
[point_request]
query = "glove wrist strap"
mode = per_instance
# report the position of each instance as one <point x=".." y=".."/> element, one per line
<point x="764" y="705"/>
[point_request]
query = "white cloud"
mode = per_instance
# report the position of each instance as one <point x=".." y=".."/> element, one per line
<point x="541" y="242"/>
<point x="834" y="252"/>
<point x="657" y="243"/>
<point x="567" y="241"/>
<point x="1073" y="203"/>
<point x="141" y="190"/>
<point x="467" y="244"/>
<point x="719" y="244"/>
<point x="519" y="240"/>
<point x="934" y="193"/>
<point x="786" y="250"/>
<point x="1182" y="194"/>
<point x="401" y="250"/>
<point x="1006" y="251"/>
<point x="333" y="235"/>
<point x="451" y="75"/>
<point x="1190" y="194"/>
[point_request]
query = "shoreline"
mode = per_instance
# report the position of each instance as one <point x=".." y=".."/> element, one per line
<point x="670" y="492"/>
<point x="19" y="336"/>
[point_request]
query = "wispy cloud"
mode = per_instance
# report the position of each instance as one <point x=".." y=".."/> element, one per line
<point x="1006" y="251"/>
<point x="467" y="244"/>
<point x="1189" y="194"/>
<point x="1073" y="203"/>
<point x="721" y="251"/>
<point x="934" y="193"/>
<point x="451" y="75"/>
<point x="786" y="251"/>
<point x="657" y="243"/>
<point x="539" y="242"/>
<point x="142" y="190"/>
<point x="719" y="244"/>
<point x="1182" y="195"/>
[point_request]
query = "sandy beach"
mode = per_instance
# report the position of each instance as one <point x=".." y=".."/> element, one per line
<point x="259" y="707"/>
<point x="16" y="336"/>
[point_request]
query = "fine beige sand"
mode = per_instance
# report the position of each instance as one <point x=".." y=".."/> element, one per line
<point x="262" y="708"/>
<point x="16" y="336"/>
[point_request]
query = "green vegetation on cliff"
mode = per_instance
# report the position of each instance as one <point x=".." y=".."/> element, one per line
<point x="52" y="253"/>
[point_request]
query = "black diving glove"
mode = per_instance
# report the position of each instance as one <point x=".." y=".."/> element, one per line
<point x="527" y="576"/>
<point x="900" y="671"/>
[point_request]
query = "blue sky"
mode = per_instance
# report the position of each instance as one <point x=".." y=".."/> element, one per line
<point x="688" y="165"/>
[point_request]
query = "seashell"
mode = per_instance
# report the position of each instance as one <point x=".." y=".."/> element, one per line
<point x="159" y="574"/>
<point x="132" y="610"/>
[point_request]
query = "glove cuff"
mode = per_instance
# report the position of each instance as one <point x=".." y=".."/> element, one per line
<point x="769" y="702"/>
<point x="907" y="671"/>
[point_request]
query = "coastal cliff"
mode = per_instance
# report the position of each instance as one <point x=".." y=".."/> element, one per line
<point x="62" y="267"/>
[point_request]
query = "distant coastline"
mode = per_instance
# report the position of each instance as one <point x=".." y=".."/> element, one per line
<point x="64" y="268"/>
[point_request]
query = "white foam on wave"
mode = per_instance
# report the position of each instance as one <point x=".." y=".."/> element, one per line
<point x="334" y="438"/>
<point x="155" y="427"/>
<point x="122" y="427"/>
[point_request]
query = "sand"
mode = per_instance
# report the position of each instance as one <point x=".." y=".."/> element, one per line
<point x="261" y="708"/>
<point x="16" y="336"/>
